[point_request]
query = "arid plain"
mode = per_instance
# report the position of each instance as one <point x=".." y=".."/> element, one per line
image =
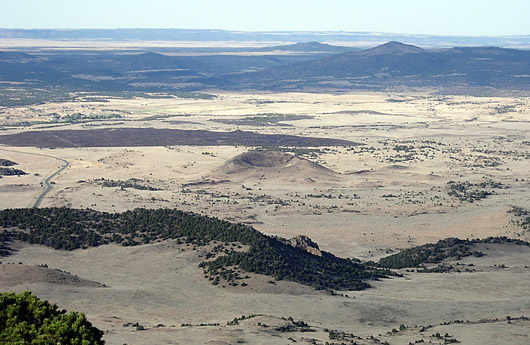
<point x="402" y="186"/>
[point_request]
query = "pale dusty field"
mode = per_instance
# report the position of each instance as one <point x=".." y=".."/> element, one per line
<point x="388" y="194"/>
<point x="379" y="198"/>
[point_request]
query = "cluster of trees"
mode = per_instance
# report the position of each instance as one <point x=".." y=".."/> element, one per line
<point x="273" y="257"/>
<point x="437" y="252"/>
<point x="6" y="162"/>
<point x="339" y="335"/>
<point x="14" y="97"/>
<point x="11" y="172"/>
<point x="77" y="117"/>
<point x="236" y="320"/>
<point x="58" y="228"/>
<point x="4" y="171"/>
<point x="4" y="247"/>
<point x="25" y="319"/>
<point x="466" y="191"/>
<point x="429" y="253"/>
<point x="65" y="228"/>
<point x="311" y="153"/>
<point x="294" y="326"/>
<point x="501" y="240"/>
<point x="524" y="217"/>
<point x="130" y="183"/>
<point x="267" y="119"/>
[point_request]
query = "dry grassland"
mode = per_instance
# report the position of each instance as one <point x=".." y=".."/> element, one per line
<point x="393" y="192"/>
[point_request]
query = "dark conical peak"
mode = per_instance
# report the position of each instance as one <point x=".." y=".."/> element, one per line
<point x="393" y="48"/>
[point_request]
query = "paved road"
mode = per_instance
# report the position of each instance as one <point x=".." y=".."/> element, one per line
<point x="47" y="182"/>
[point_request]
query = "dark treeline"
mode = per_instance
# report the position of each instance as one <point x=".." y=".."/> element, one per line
<point x="11" y="172"/>
<point x="453" y="248"/>
<point x="69" y="229"/>
<point x="6" y="162"/>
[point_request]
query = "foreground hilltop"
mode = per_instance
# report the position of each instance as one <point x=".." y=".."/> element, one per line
<point x="156" y="293"/>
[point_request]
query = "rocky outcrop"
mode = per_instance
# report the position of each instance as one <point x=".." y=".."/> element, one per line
<point x="305" y="243"/>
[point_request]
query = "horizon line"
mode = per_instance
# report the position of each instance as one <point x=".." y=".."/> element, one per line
<point x="368" y="33"/>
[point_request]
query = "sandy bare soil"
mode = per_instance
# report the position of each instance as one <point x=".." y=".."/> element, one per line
<point x="365" y="201"/>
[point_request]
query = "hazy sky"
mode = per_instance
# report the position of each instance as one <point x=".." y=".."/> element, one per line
<point x="438" y="17"/>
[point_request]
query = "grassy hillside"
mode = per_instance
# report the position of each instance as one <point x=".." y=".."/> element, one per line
<point x="69" y="229"/>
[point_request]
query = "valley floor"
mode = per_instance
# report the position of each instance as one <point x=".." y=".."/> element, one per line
<point x="431" y="167"/>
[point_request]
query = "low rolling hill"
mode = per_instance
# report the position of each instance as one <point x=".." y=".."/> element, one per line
<point x="69" y="229"/>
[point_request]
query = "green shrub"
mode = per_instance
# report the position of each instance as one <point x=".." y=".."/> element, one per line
<point x="25" y="319"/>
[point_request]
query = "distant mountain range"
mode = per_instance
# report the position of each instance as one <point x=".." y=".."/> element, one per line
<point x="360" y="39"/>
<point x="396" y="64"/>
<point x="310" y="66"/>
